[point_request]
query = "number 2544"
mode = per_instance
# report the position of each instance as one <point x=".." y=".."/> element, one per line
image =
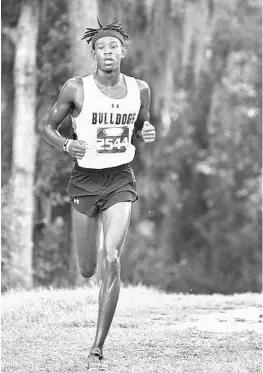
<point x="110" y="143"/>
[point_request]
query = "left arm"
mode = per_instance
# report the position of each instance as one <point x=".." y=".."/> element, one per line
<point x="144" y="131"/>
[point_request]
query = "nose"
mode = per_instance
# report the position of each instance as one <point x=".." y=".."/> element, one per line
<point x="107" y="50"/>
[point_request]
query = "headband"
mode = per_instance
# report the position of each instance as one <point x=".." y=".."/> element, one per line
<point x="103" y="33"/>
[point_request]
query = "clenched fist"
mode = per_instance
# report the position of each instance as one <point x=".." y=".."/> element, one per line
<point x="77" y="148"/>
<point x="148" y="132"/>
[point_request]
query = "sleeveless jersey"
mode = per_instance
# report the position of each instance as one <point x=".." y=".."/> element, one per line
<point x="106" y="124"/>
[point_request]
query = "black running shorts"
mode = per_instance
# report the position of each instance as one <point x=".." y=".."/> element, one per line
<point x="93" y="190"/>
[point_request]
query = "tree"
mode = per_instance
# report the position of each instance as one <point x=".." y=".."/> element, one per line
<point x="7" y="95"/>
<point x="19" y="209"/>
<point x="82" y="14"/>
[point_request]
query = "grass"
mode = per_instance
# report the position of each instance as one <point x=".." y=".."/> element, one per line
<point x="152" y="332"/>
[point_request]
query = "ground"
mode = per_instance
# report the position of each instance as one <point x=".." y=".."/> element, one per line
<point x="52" y="330"/>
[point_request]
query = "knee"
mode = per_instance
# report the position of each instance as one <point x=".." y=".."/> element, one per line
<point x="112" y="255"/>
<point x="87" y="271"/>
<point x="113" y="262"/>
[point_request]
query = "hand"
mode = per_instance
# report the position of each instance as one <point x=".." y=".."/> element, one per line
<point x="77" y="149"/>
<point x="148" y="132"/>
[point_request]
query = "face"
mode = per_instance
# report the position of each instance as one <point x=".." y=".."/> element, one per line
<point x="108" y="53"/>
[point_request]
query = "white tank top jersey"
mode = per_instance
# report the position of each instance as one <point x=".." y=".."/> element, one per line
<point x="106" y="124"/>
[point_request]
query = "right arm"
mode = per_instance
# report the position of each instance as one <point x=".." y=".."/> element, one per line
<point x="60" y="110"/>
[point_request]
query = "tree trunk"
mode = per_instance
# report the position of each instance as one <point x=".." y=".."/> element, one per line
<point x="7" y="95"/>
<point x="82" y="14"/>
<point x="24" y="144"/>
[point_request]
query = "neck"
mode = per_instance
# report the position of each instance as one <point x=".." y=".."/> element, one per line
<point x="108" y="78"/>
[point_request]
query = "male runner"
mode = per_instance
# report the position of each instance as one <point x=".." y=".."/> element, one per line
<point x="104" y="107"/>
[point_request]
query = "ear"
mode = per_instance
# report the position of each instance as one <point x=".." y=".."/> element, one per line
<point x="93" y="54"/>
<point x="123" y="51"/>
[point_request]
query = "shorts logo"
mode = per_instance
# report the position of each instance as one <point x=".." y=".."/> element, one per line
<point x="76" y="201"/>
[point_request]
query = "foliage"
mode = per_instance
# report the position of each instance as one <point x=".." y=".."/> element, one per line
<point x="51" y="254"/>
<point x="197" y="224"/>
<point x="208" y="149"/>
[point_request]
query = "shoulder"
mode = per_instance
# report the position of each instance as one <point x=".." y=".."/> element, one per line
<point x="70" y="88"/>
<point x="143" y="86"/>
<point x="73" y="83"/>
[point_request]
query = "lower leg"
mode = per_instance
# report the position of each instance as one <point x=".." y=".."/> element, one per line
<point x="115" y="225"/>
<point x="108" y="298"/>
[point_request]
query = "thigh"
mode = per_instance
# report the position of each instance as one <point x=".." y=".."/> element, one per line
<point x="115" y="221"/>
<point x="87" y="236"/>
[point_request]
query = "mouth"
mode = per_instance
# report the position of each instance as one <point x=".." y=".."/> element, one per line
<point x="108" y="60"/>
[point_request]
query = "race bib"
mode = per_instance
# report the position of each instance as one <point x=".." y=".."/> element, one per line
<point x="112" y="139"/>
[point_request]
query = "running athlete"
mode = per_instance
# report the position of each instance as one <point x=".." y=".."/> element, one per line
<point x="107" y="109"/>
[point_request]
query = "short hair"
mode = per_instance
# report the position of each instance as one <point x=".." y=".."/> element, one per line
<point x="114" y="29"/>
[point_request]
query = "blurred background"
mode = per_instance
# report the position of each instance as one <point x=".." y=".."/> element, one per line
<point x="197" y="225"/>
